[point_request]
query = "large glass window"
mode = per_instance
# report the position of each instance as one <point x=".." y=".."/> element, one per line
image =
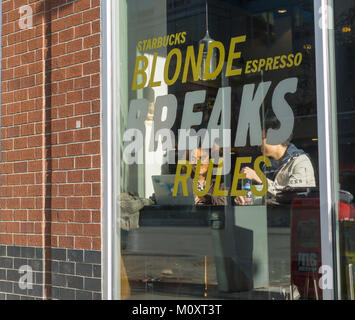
<point x="344" y="26"/>
<point x="217" y="149"/>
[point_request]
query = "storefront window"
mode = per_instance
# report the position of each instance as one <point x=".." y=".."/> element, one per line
<point x="217" y="149"/>
<point x="344" y="13"/>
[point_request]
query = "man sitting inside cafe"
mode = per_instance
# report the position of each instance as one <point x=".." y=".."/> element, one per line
<point x="291" y="167"/>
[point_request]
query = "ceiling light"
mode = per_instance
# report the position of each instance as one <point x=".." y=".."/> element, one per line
<point x="206" y="42"/>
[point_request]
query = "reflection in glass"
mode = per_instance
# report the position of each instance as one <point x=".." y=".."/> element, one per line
<point x="265" y="250"/>
<point x="206" y="41"/>
<point x="344" y="18"/>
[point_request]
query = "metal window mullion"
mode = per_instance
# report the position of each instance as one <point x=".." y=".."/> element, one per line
<point x="326" y="147"/>
<point x="109" y="245"/>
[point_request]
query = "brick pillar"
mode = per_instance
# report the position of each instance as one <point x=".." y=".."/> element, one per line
<point x="50" y="217"/>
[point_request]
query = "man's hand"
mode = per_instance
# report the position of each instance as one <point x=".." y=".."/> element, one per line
<point x="251" y="175"/>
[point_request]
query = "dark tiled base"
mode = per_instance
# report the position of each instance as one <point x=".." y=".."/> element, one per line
<point x="76" y="274"/>
<point x="11" y="260"/>
<point x="71" y="274"/>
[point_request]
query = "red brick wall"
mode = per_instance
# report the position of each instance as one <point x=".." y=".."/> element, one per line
<point x="50" y="127"/>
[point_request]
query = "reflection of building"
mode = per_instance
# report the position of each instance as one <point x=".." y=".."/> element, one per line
<point x="345" y="49"/>
<point x="271" y="29"/>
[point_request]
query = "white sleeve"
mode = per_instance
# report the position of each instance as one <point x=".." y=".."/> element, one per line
<point x="273" y="187"/>
<point x="302" y="174"/>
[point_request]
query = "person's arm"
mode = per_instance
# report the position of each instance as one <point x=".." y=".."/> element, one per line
<point x="302" y="174"/>
<point x="273" y="188"/>
<point x="218" y="200"/>
<point x="210" y="199"/>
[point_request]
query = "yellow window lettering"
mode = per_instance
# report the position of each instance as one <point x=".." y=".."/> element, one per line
<point x="141" y="72"/>
<point x="261" y="175"/>
<point x="234" y="55"/>
<point x="182" y="179"/>
<point x="183" y="37"/>
<point x="153" y="83"/>
<point x="247" y="67"/>
<point x="290" y="60"/>
<point x="203" y="192"/>
<point x="171" y="41"/>
<point x="298" y="59"/>
<point x="269" y="62"/>
<point x="154" y="44"/>
<point x="276" y="62"/>
<point x="237" y="176"/>
<point x="149" y="45"/>
<point x="217" y="192"/>
<point x="283" y="62"/>
<point x="262" y="63"/>
<point x="139" y="46"/>
<point x="166" y="41"/>
<point x="177" y="38"/>
<point x="178" y="55"/>
<point x="255" y="66"/>
<point x="218" y="45"/>
<point x="195" y="66"/>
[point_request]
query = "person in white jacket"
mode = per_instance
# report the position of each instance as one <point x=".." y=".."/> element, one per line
<point x="291" y="167"/>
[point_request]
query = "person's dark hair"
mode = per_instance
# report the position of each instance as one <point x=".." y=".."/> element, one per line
<point x="271" y="122"/>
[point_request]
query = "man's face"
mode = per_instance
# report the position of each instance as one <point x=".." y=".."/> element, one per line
<point x="266" y="149"/>
<point x="199" y="154"/>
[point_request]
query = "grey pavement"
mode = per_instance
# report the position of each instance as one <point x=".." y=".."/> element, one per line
<point x="183" y="256"/>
